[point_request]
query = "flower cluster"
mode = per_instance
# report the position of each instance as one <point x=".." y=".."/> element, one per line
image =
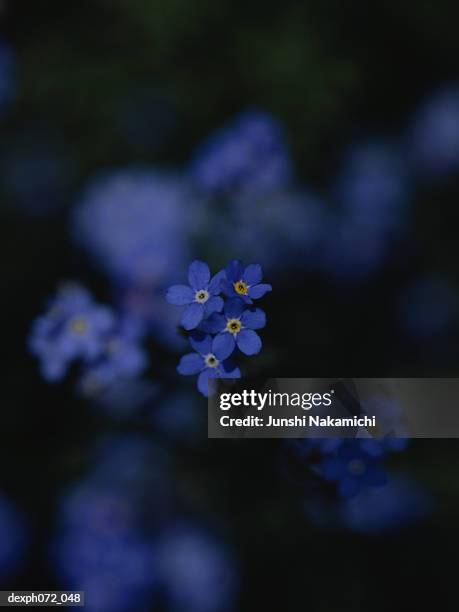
<point x="219" y="325"/>
<point x="75" y="328"/>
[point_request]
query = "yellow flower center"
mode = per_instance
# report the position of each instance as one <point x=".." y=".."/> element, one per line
<point x="241" y="288"/>
<point x="79" y="325"/>
<point x="211" y="361"/>
<point x="234" y="326"/>
<point x="201" y="296"/>
<point x="356" y="467"/>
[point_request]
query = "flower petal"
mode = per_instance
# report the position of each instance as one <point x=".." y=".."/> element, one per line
<point x="234" y="308"/>
<point x="234" y="270"/>
<point x="248" y="342"/>
<point x="203" y="381"/>
<point x="227" y="288"/>
<point x="254" y="318"/>
<point x="202" y="343"/>
<point x="214" y="324"/>
<point x="229" y="370"/>
<point x="213" y="304"/>
<point x="198" y="275"/>
<point x="215" y="285"/>
<point x="223" y="345"/>
<point x="253" y="274"/>
<point x="259" y="291"/>
<point x="189" y="364"/>
<point x="180" y="295"/>
<point x="192" y="316"/>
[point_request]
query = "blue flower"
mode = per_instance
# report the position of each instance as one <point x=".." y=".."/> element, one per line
<point x="209" y="361"/>
<point x="244" y="283"/>
<point x="74" y="327"/>
<point x="434" y="135"/>
<point x="197" y="570"/>
<point x="200" y="298"/>
<point x="122" y="358"/>
<point x="351" y="469"/>
<point x="136" y="224"/>
<point x="249" y="157"/>
<point x="100" y="548"/>
<point x="236" y="328"/>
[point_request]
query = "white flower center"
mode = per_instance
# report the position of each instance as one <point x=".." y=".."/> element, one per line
<point x="211" y="361"/>
<point x="201" y="296"/>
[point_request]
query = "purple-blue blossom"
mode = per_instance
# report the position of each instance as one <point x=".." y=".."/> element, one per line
<point x="249" y="156"/>
<point x="350" y="468"/>
<point x="73" y="327"/>
<point x="244" y="282"/>
<point x="236" y="327"/>
<point x="209" y="361"/>
<point x="136" y="224"/>
<point x="76" y="328"/>
<point x="433" y="142"/>
<point x="122" y="357"/>
<point x="197" y="570"/>
<point x="201" y="296"/>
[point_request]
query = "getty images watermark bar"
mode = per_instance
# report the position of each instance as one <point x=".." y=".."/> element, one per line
<point x="41" y="598"/>
<point x="334" y="407"/>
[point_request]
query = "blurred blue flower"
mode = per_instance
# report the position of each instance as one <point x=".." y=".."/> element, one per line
<point x="434" y="135"/>
<point x="236" y="328"/>
<point x="280" y="231"/>
<point x="74" y="327"/>
<point x="209" y="361"/>
<point x="351" y="469"/>
<point x="372" y="188"/>
<point x="77" y="328"/>
<point x="201" y="298"/>
<point x="244" y="283"/>
<point x="249" y="156"/>
<point x="100" y="550"/>
<point x="197" y="571"/>
<point x="7" y="84"/>
<point x="371" y="192"/>
<point x="13" y="538"/>
<point x="136" y="223"/>
<point x="401" y="503"/>
<point x="121" y="357"/>
<point x="428" y="306"/>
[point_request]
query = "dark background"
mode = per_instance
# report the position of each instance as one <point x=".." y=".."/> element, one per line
<point x="332" y="73"/>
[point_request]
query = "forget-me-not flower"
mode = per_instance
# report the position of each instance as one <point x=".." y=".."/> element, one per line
<point x="200" y="297"/>
<point x="244" y="283"/>
<point x="235" y="327"/>
<point x="209" y="361"/>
